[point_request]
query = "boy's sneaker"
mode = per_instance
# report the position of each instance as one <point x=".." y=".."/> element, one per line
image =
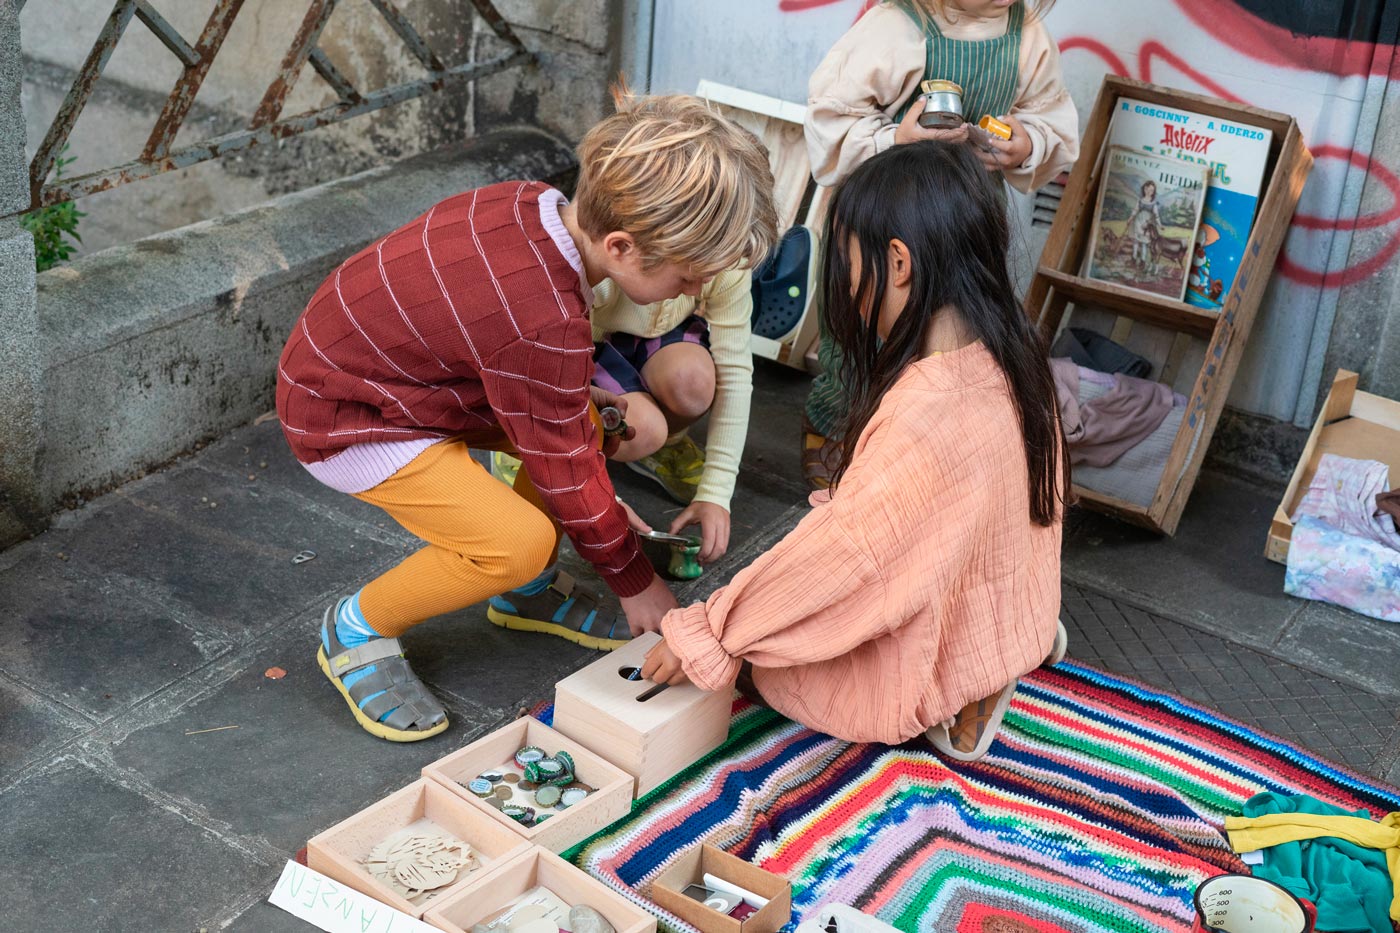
<point x="505" y="467"/>
<point x="677" y="467"/>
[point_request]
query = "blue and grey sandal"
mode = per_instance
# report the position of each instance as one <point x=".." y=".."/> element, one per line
<point x="388" y="700"/>
<point x="565" y="609"/>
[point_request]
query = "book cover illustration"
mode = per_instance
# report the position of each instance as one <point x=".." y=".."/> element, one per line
<point x="1236" y="156"/>
<point x="1145" y="222"/>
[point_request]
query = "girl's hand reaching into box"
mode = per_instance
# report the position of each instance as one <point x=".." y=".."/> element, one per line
<point x="661" y="666"/>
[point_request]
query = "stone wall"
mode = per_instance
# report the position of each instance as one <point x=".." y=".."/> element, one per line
<point x="564" y="95"/>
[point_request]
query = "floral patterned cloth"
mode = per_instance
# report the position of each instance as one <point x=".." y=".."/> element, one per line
<point x="1344" y="550"/>
<point x="1347" y="570"/>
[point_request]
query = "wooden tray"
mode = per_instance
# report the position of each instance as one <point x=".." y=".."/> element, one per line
<point x="337" y="852"/>
<point x="526" y="870"/>
<point x="610" y="802"/>
<point x="1351" y="424"/>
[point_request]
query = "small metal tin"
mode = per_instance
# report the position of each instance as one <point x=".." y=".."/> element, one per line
<point x="942" y="105"/>
<point x="479" y="786"/>
<point x="528" y="755"/>
<point x="572" y="796"/>
<point x="547" y="796"/>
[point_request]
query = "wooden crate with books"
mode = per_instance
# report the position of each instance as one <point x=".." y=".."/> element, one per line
<point x="1163" y="244"/>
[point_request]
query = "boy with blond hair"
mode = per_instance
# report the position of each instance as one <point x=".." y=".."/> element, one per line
<point x="469" y="328"/>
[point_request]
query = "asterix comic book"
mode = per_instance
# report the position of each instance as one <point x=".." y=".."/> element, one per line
<point x="1235" y="155"/>
<point x="1148" y="211"/>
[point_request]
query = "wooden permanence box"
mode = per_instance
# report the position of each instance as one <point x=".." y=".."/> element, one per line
<point x="1195" y="351"/>
<point x="528" y="870"/>
<point x="798" y="199"/>
<point x="692" y="867"/>
<point x="1351" y="424"/>
<point x="651" y="738"/>
<point x="611" y="801"/>
<point x="337" y="852"/>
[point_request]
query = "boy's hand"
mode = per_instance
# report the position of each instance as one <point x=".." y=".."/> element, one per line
<point x="910" y="131"/>
<point x="601" y="399"/>
<point x="634" y="521"/>
<point x="714" y="528"/>
<point x="1007" y="153"/>
<point x="661" y="666"/>
<point x="645" y="610"/>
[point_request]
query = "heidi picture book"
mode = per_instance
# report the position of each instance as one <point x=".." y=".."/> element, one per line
<point x="1148" y="210"/>
<point x="1235" y="156"/>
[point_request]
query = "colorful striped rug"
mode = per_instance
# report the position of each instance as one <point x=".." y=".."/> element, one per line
<point x="1099" y="808"/>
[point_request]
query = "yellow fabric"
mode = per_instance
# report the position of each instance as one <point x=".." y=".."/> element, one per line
<point x="483" y="537"/>
<point x="727" y="304"/>
<point x="1260" y="832"/>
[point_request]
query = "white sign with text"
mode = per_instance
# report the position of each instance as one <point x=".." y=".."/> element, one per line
<point x="331" y="906"/>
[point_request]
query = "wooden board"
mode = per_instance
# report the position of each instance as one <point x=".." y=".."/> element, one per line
<point x="338" y="851"/>
<point x="527" y="870"/>
<point x="797" y="198"/>
<point x="611" y="801"/>
<point x="650" y="739"/>
<point x="1352" y="424"/>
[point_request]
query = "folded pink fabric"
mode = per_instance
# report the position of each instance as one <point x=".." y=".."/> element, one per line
<point x="1102" y="430"/>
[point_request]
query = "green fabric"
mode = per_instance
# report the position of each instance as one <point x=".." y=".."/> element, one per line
<point x="827" y="402"/>
<point x="986" y="69"/>
<point x="1349" y="884"/>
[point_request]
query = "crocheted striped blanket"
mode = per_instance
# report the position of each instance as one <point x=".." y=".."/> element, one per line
<point x="1100" y="807"/>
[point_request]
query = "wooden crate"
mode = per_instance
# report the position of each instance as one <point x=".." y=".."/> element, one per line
<point x="1351" y="424"/>
<point x="610" y="802"/>
<point x="529" y="869"/>
<point x="706" y="859"/>
<point x="1195" y="351"/>
<point x="798" y="199"/>
<point x="652" y="739"/>
<point x="337" y="852"/>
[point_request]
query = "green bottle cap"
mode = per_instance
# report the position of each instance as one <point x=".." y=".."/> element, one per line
<point x="547" y="796"/>
<point x="528" y="754"/>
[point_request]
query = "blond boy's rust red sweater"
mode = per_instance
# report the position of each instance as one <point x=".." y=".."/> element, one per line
<point x="472" y="319"/>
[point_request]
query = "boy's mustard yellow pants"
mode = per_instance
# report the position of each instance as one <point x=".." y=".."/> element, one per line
<point x="483" y="537"/>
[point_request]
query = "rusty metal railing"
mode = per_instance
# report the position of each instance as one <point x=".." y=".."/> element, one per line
<point x="267" y="123"/>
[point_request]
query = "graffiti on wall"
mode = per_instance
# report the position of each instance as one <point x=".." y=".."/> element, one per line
<point x="1327" y="63"/>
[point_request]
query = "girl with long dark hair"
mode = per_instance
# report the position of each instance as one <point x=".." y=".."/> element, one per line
<point x="912" y="599"/>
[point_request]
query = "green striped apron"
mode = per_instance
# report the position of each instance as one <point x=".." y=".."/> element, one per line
<point x="987" y="70"/>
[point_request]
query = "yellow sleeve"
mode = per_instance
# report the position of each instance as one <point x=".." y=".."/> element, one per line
<point x="729" y="310"/>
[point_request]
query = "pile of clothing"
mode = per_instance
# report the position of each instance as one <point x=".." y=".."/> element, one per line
<point x="1345" y="548"/>
<point x="1119" y="425"/>
<point x="1346" y="863"/>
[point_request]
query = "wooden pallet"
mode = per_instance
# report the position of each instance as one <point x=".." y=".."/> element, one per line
<point x="1195" y="351"/>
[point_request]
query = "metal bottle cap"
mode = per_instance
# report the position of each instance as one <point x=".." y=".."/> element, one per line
<point x="547" y="796"/>
<point x="479" y="786"/>
<point x="572" y="796"/>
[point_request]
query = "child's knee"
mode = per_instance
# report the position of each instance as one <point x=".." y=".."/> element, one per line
<point x="650" y="427"/>
<point x="689" y="392"/>
<point x="532" y="548"/>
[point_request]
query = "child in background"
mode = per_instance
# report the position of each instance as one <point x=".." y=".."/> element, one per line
<point x="672" y="362"/>
<point x="865" y="98"/>
<point x="468" y="327"/>
<point x="912" y="599"/>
